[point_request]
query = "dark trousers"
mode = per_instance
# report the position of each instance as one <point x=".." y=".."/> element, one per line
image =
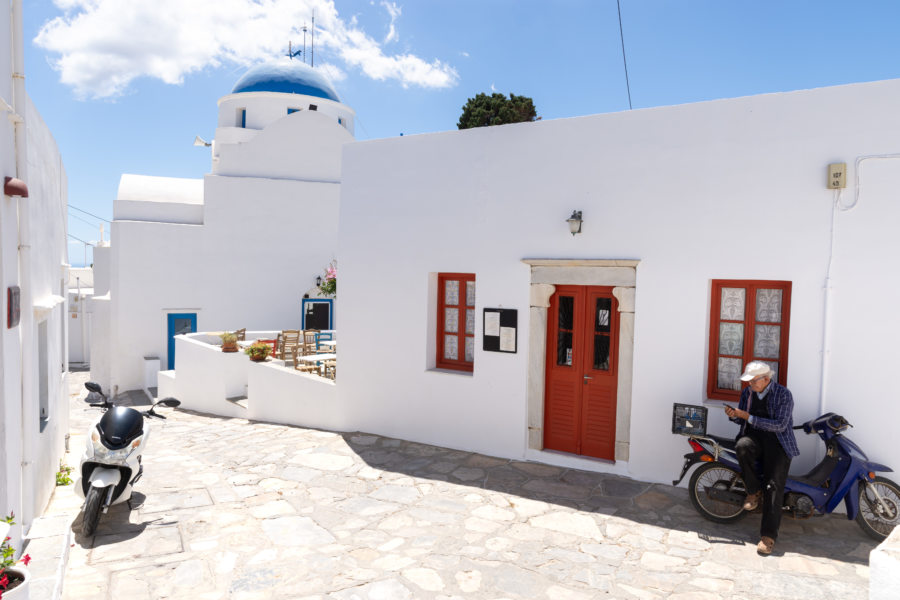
<point x="775" y="464"/>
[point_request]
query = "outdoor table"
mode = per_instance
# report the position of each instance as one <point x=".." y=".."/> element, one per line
<point x="315" y="358"/>
<point x="329" y="343"/>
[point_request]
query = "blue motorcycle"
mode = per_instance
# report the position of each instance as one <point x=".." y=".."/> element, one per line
<point x="845" y="474"/>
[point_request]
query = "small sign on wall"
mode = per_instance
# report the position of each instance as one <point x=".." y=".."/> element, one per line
<point x="500" y="330"/>
<point x="13" y="311"/>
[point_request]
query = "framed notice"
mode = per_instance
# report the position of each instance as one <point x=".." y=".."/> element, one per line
<point x="500" y="330"/>
<point x="13" y="311"/>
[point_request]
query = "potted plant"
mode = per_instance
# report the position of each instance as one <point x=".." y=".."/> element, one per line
<point x="229" y="341"/>
<point x="258" y="351"/>
<point x="328" y="287"/>
<point x="13" y="580"/>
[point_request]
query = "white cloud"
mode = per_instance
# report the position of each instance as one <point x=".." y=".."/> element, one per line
<point x="101" y="46"/>
<point x="394" y="12"/>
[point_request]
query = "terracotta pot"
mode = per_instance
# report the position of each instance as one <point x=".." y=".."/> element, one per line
<point x="22" y="578"/>
<point x="232" y="347"/>
<point x="257" y="358"/>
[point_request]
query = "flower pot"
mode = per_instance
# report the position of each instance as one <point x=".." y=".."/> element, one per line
<point x="257" y="358"/>
<point x="20" y="580"/>
<point x="232" y="347"/>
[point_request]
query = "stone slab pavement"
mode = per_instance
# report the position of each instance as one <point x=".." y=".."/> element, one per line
<point x="245" y="510"/>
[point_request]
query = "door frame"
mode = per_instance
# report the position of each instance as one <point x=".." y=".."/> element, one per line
<point x="546" y="274"/>
<point x="170" y="337"/>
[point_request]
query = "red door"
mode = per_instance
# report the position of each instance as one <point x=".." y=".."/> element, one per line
<point x="581" y="374"/>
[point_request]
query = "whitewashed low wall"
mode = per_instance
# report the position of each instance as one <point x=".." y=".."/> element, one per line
<point x="884" y="568"/>
<point x="279" y="394"/>
<point x="205" y="378"/>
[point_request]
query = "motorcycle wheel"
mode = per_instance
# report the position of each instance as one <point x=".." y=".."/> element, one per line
<point x="717" y="476"/>
<point x="878" y="520"/>
<point x="91" y="514"/>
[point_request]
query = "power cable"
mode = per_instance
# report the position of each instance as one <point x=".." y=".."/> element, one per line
<point x="71" y="216"/>
<point x="87" y="213"/>
<point x="81" y="240"/>
<point x="624" y="62"/>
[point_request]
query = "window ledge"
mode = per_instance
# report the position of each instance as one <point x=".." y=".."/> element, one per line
<point x="450" y="372"/>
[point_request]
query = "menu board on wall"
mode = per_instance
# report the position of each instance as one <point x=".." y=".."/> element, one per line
<point x="500" y="330"/>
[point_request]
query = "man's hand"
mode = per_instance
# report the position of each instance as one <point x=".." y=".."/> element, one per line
<point x="732" y="413"/>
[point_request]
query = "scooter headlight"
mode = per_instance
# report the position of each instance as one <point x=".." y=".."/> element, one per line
<point x="104" y="454"/>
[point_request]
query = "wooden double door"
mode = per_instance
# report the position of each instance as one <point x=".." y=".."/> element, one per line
<point x="581" y="373"/>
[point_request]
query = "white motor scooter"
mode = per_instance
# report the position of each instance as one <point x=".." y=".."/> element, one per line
<point x="111" y="463"/>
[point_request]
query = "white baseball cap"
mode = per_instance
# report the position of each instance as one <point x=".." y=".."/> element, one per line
<point x="756" y="369"/>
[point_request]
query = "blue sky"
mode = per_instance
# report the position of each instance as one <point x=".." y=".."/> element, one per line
<point x="125" y="85"/>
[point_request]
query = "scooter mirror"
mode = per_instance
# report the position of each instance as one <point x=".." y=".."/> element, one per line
<point x="94" y="387"/>
<point x="94" y="398"/>
<point x="170" y="402"/>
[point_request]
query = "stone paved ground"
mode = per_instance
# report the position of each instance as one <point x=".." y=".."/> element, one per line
<point x="244" y="510"/>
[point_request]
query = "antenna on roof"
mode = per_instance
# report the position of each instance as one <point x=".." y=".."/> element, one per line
<point x="312" y="43"/>
<point x="291" y="53"/>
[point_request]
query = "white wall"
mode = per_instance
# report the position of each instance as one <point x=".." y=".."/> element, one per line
<point x="205" y="378"/>
<point x="262" y="244"/>
<point x="727" y="189"/>
<point x="32" y="354"/>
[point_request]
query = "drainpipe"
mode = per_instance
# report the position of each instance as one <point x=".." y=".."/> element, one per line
<point x="26" y="324"/>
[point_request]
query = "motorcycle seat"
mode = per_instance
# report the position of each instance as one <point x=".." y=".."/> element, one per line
<point x="725" y="442"/>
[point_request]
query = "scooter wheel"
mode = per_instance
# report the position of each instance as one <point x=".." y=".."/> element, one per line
<point x="878" y="519"/>
<point x="717" y="492"/>
<point x="91" y="514"/>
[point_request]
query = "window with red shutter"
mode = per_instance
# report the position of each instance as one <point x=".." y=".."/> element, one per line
<point x="455" y="342"/>
<point x="749" y="320"/>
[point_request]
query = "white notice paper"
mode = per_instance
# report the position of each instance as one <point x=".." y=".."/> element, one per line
<point x="491" y="323"/>
<point x="508" y="339"/>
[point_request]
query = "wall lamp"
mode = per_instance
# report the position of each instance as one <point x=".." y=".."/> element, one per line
<point x="575" y="222"/>
<point x="318" y="281"/>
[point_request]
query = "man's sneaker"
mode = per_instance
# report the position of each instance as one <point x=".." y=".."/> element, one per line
<point x="765" y="545"/>
<point x="752" y="501"/>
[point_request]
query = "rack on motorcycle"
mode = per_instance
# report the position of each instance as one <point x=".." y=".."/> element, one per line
<point x="845" y="474"/>
<point x="98" y="399"/>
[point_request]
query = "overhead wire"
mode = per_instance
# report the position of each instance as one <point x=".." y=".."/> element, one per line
<point x="624" y="62"/>
<point x="87" y="213"/>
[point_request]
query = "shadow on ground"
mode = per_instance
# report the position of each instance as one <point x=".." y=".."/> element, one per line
<point x="829" y="536"/>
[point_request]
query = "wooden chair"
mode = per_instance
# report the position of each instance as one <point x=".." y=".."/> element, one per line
<point x="330" y="367"/>
<point x="288" y="340"/>
<point x="305" y="367"/>
<point x="241" y="334"/>
<point x="309" y="341"/>
<point x="322" y="336"/>
<point x="272" y="345"/>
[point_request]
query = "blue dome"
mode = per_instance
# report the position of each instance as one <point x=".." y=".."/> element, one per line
<point x="286" y="77"/>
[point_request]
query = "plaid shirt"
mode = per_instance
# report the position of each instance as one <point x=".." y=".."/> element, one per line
<point x="780" y="404"/>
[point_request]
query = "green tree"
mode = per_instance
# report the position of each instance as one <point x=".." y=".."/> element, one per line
<point x="496" y="109"/>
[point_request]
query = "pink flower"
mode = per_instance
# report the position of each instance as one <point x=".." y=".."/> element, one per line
<point x="26" y="559"/>
<point x="331" y="273"/>
<point x="4" y="581"/>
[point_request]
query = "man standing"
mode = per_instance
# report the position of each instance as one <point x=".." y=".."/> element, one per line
<point x="765" y="414"/>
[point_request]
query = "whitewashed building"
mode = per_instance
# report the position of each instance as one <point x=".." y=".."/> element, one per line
<point x="709" y="237"/>
<point x="237" y="249"/>
<point x="33" y="276"/>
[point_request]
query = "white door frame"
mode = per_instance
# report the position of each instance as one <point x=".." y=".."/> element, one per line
<point x="546" y="274"/>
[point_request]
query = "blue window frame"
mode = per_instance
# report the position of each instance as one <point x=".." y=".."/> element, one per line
<point x="293" y="110"/>
<point x="317" y="313"/>
<point x="179" y="323"/>
<point x="242" y="116"/>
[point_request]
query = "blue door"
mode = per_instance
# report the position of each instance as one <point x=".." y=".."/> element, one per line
<point x="178" y="324"/>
